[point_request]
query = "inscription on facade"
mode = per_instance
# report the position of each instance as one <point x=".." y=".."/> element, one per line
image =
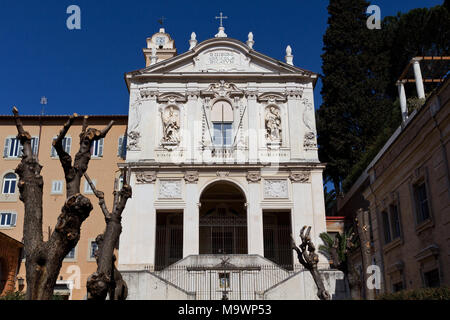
<point x="221" y="58"/>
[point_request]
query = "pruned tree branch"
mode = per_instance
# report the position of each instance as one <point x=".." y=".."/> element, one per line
<point x="44" y="259"/>
<point x="309" y="259"/>
<point x="107" y="279"/>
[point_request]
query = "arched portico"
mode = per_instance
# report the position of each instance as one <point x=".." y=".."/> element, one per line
<point x="223" y="219"/>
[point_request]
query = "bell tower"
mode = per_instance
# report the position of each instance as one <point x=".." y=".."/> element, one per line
<point x="160" y="46"/>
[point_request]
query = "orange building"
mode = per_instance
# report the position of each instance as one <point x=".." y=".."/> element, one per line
<point x="103" y="170"/>
<point x="10" y="253"/>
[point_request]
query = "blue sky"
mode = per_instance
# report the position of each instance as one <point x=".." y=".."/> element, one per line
<point x="82" y="71"/>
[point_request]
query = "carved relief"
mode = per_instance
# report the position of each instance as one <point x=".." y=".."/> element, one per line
<point x="310" y="135"/>
<point x="253" y="176"/>
<point x="223" y="89"/>
<point x="170" y="189"/>
<point x="275" y="189"/>
<point x="146" y="177"/>
<point x="273" y="126"/>
<point x="223" y="174"/>
<point x="133" y="141"/>
<point x="134" y="123"/>
<point x="171" y="127"/>
<point x="191" y="176"/>
<point x="300" y="177"/>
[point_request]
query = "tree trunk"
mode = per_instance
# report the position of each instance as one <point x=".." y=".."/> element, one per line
<point x="44" y="259"/>
<point x="363" y="226"/>
<point x="107" y="279"/>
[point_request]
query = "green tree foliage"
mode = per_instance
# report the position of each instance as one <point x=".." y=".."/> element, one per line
<point x="360" y="68"/>
<point x="442" y="293"/>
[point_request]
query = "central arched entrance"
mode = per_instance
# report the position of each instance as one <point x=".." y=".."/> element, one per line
<point x="223" y="220"/>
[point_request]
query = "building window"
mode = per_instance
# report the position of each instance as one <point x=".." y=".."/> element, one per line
<point x="66" y="143"/>
<point x="71" y="254"/>
<point x="93" y="249"/>
<point x="87" y="187"/>
<point x="8" y="219"/>
<point x="97" y="148"/>
<point x="395" y="221"/>
<point x="57" y="187"/>
<point x="222" y="120"/>
<point x="397" y="287"/>
<point x="122" y="147"/>
<point x="13" y="148"/>
<point x="432" y="279"/>
<point x="9" y="183"/>
<point x="421" y="198"/>
<point x="386" y="227"/>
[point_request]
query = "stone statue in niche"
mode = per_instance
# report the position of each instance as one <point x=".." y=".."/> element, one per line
<point x="273" y="125"/>
<point x="171" y="126"/>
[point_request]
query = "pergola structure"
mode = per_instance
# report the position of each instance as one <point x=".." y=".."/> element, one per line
<point x="421" y="70"/>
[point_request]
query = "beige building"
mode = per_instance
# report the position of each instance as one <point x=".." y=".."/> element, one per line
<point x="409" y="197"/>
<point x="80" y="263"/>
<point x="406" y="190"/>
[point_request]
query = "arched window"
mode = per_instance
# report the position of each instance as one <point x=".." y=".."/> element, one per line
<point x="9" y="183"/>
<point x="222" y="120"/>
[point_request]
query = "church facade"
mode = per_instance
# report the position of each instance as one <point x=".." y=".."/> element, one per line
<point x="223" y="162"/>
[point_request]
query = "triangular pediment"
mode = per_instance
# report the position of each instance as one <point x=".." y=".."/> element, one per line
<point x="221" y="55"/>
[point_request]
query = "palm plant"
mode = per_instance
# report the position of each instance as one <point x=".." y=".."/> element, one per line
<point x="337" y="248"/>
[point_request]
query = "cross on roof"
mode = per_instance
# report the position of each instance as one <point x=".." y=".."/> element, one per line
<point x="161" y="20"/>
<point x="221" y="17"/>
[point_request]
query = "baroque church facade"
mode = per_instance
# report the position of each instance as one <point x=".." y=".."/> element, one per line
<point x="223" y="162"/>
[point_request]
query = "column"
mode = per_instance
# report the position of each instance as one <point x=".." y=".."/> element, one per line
<point x="319" y="217"/>
<point x="418" y="77"/>
<point x="190" y="127"/>
<point x="137" y="241"/>
<point x="302" y="212"/>
<point x="255" y="236"/>
<point x="402" y="97"/>
<point x="191" y="215"/>
<point x="295" y="134"/>
<point x="253" y="116"/>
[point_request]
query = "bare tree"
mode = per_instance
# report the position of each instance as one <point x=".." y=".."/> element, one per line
<point x="309" y="259"/>
<point x="44" y="259"/>
<point x="107" y="279"/>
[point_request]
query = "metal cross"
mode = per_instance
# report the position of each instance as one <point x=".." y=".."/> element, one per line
<point x="221" y="17"/>
<point x="161" y="20"/>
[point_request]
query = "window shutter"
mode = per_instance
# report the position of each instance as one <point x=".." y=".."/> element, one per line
<point x="13" y="219"/>
<point x="120" y="147"/>
<point x="35" y="145"/>
<point x="100" y="147"/>
<point x="6" y="149"/>
<point x="68" y="144"/>
<point x="21" y="148"/>
<point x="53" y="152"/>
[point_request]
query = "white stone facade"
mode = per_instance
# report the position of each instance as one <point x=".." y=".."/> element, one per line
<point x="176" y="152"/>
